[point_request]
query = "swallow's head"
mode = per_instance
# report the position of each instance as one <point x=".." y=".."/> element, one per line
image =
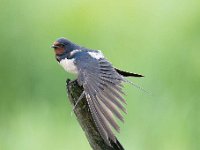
<point x="63" y="46"/>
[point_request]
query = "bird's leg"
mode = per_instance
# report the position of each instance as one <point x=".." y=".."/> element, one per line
<point x="68" y="81"/>
<point x="79" y="99"/>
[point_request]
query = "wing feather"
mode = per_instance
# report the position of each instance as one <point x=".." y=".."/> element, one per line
<point x="111" y="94"/>
<point x="98" y="102"/>
<point x="103" y="88"/>
<point x="99" y="113"/>
<point x="112" y="108"/>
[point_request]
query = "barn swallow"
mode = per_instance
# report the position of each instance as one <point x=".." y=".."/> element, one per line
<point x="102" y="84"/>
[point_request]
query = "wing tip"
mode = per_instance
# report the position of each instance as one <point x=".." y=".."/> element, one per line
<point x="116" y="144"/>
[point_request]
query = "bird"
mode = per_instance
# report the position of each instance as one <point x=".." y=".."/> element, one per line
<point x="102" y="84"/>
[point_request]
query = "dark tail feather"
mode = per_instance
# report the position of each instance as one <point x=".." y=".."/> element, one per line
<point x="128" y="74"/>
<point x="116" y="145"/>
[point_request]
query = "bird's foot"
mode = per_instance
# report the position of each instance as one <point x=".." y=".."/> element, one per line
<point x="68" y="81"/>
<point x="79" y="99"/>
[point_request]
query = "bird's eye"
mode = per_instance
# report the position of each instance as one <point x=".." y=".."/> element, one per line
<point x="60" y="45"/>
<point x="59" y="49"/>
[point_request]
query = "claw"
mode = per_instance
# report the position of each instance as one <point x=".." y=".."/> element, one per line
<point x="79" y="99"/>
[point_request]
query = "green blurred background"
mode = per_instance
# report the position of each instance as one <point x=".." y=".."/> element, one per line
<point x="158" y="38"/>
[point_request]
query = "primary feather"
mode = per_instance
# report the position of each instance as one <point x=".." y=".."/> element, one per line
<point x="103" y="87"/>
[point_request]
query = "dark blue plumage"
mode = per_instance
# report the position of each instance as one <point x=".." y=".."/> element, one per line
<point x="102" y="85"/>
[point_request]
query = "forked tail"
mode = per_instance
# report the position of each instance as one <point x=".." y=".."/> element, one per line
<point x="128" y="74"/>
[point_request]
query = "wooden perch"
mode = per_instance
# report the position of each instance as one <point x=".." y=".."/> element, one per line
<point x="84" y="117"/>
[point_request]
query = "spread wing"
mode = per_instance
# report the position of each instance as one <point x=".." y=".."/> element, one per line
<point x="103" y="90"/>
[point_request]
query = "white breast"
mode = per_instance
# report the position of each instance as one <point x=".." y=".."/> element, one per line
<point x="69" y="66"/>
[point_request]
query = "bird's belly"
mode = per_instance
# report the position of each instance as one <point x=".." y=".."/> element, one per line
<point x="69" y="66"/>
